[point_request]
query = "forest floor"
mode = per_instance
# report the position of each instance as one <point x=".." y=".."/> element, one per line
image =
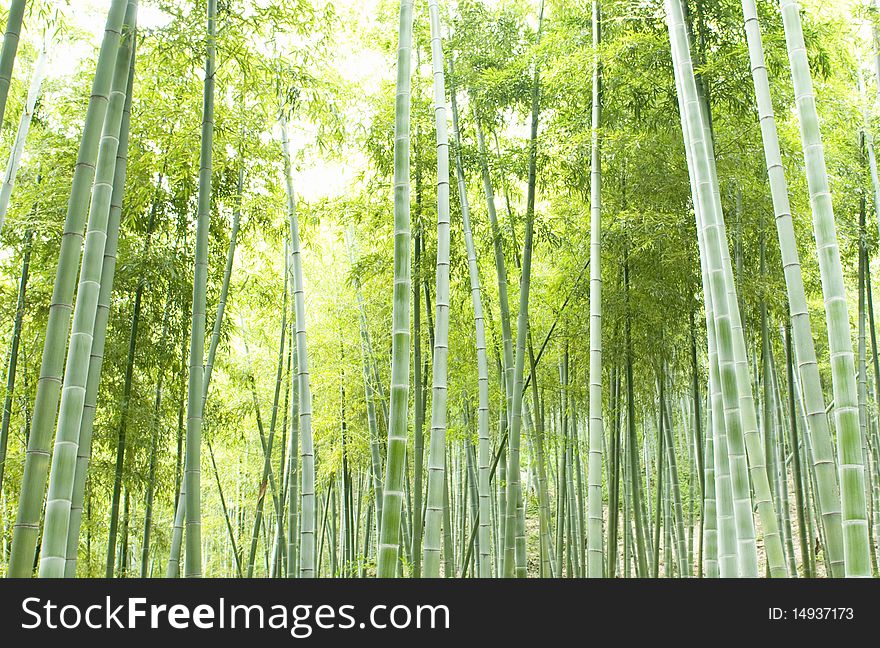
<point x="533" y="539"/>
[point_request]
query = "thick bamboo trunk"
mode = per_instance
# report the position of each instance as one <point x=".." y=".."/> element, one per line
<point x="33" y="488"/>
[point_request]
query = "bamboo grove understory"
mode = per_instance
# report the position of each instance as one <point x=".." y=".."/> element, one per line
<point x="575" y="288"/>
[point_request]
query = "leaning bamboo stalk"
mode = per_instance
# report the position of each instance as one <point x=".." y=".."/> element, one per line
<point x="11" y="36"/>
<point x="21" y="134"/>
<point x="62" y="474"/>
<point x="267" y="442"/>
<point x="483" y="450"/>
<point x="26" y="529"/>
<point x="808" y="369"/>
<point x="12" y="364"/>
<point x="846" y="415"/>
<point x="743" y="437"/>
<point x="235" y="553"/>
<point x="724" y="551"/>
<point x="736" y="532"/>
<point x="369" y="395"/>
<point x="746" y="444"/>
<point x="102" y="316"/>
<point x="224" y="286"/>
<point x="500" y="266"/>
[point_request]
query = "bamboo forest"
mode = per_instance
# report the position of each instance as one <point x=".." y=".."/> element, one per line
<point x="424" y="288"/>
